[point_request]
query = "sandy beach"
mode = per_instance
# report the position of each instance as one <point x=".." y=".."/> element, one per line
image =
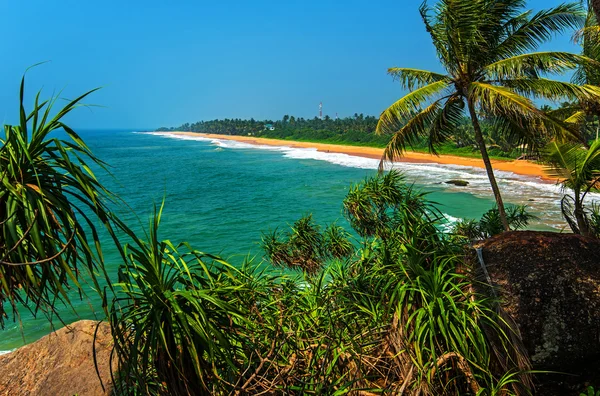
<point x="519" y="167"/>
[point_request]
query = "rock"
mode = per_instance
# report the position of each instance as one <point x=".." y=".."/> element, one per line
<point x="60" y="364"/>
<point x="459" y="183"/>
<point x="550" y="284"/>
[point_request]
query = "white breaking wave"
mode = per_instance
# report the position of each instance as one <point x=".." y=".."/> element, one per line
<point x="542" y="197"/>
<point x="5" y="352"/>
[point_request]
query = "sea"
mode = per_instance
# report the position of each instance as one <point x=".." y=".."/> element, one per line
<point x="220" y="196"/>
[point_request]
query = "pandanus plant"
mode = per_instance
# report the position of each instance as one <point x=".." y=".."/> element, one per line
<point x="176" y="317"/>
<point x="50" y="204"/>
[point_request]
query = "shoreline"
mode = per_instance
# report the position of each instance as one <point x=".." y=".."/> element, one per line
<point x="519" y="167"/>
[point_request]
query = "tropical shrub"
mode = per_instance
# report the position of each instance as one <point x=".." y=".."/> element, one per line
<point x="381" y="205"/>
<point x="50" y="203"/>
<point x="490" y="223"/>
<point x="176" y="317"/>
<point x="578" y="170"/>
<point x="305" y="246"/>
<point x="400" y="317"/>
<point x="590" y="391"/>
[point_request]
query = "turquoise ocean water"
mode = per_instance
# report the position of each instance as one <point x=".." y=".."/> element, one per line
<point x="220" y="195"/>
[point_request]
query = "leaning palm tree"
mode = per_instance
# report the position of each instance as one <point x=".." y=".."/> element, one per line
<point x="578" y="169"/>
<point x="484" y="47"/>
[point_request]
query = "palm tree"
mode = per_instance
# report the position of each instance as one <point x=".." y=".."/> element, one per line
<point x="579" y="170"/>
<point x="582" y="113"/>
<point x="484" y="46"/>
<point x="50" y="202"/>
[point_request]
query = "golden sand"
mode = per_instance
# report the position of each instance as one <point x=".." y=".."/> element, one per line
<point x="519" y="167"/>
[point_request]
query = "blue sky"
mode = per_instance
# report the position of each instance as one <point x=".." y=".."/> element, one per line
<point x="162" y="63"/>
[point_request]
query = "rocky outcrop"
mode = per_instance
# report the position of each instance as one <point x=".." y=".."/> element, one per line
<point x="550" y="284"/>
<point x="457" y="182"/>
<point x="60" y="364"/>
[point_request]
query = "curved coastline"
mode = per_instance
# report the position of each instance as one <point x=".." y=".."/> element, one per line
<point x="518" y="167"/>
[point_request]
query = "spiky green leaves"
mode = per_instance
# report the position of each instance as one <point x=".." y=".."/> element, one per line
<point x="176" y="316"/>
<point x="577" y="168"/>
<point x="490" y="224"/>
<point x="305" y="246"/>
<point x="50" y="202"/>
<point x="381" y="205"/>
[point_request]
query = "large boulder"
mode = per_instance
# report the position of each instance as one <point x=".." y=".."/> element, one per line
<point x="60" y="364"/>
<point x="550" y="284"/>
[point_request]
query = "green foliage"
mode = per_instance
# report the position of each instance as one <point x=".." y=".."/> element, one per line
<point x="578" y="169"/>
<point x="494" y="73"/>
<point x="356" y="131"/>
<point x="372" y="207"/>
<point x="399" y="315"/>
<point x="594" y="219"/>
<point x="590" y="391"/>
<point x="175" y="320"/>
<point x="490" y="223"/>
<point x="305" y="247"/>
<point x="584" y="113"/>
<point x="49" y="204"/>
<point x="337" y="242"/>
<point x="484" y="48"/>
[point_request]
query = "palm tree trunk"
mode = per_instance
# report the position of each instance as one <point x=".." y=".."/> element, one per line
<point x="488" y="165"/>
<point x="582" y="223"/>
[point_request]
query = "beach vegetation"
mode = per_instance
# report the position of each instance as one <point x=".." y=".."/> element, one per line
<point x="490" y="224"/>
<point x="590" y="391"/>
<point x="51" y="205"/>
<point x="357" y="131"/>
<point x="372" y="322"/>
<point x="381" y="206"/>
<point x="306" y="247"/>
<point x="399" y="315"/>
<point x="175" y="318"/>
<point x="390" y="305"/>
<point x="577" y="169"/>
<point x="485" y="48"/>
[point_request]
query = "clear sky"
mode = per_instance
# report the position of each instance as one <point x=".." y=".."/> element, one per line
<point x="163" y="63"/>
